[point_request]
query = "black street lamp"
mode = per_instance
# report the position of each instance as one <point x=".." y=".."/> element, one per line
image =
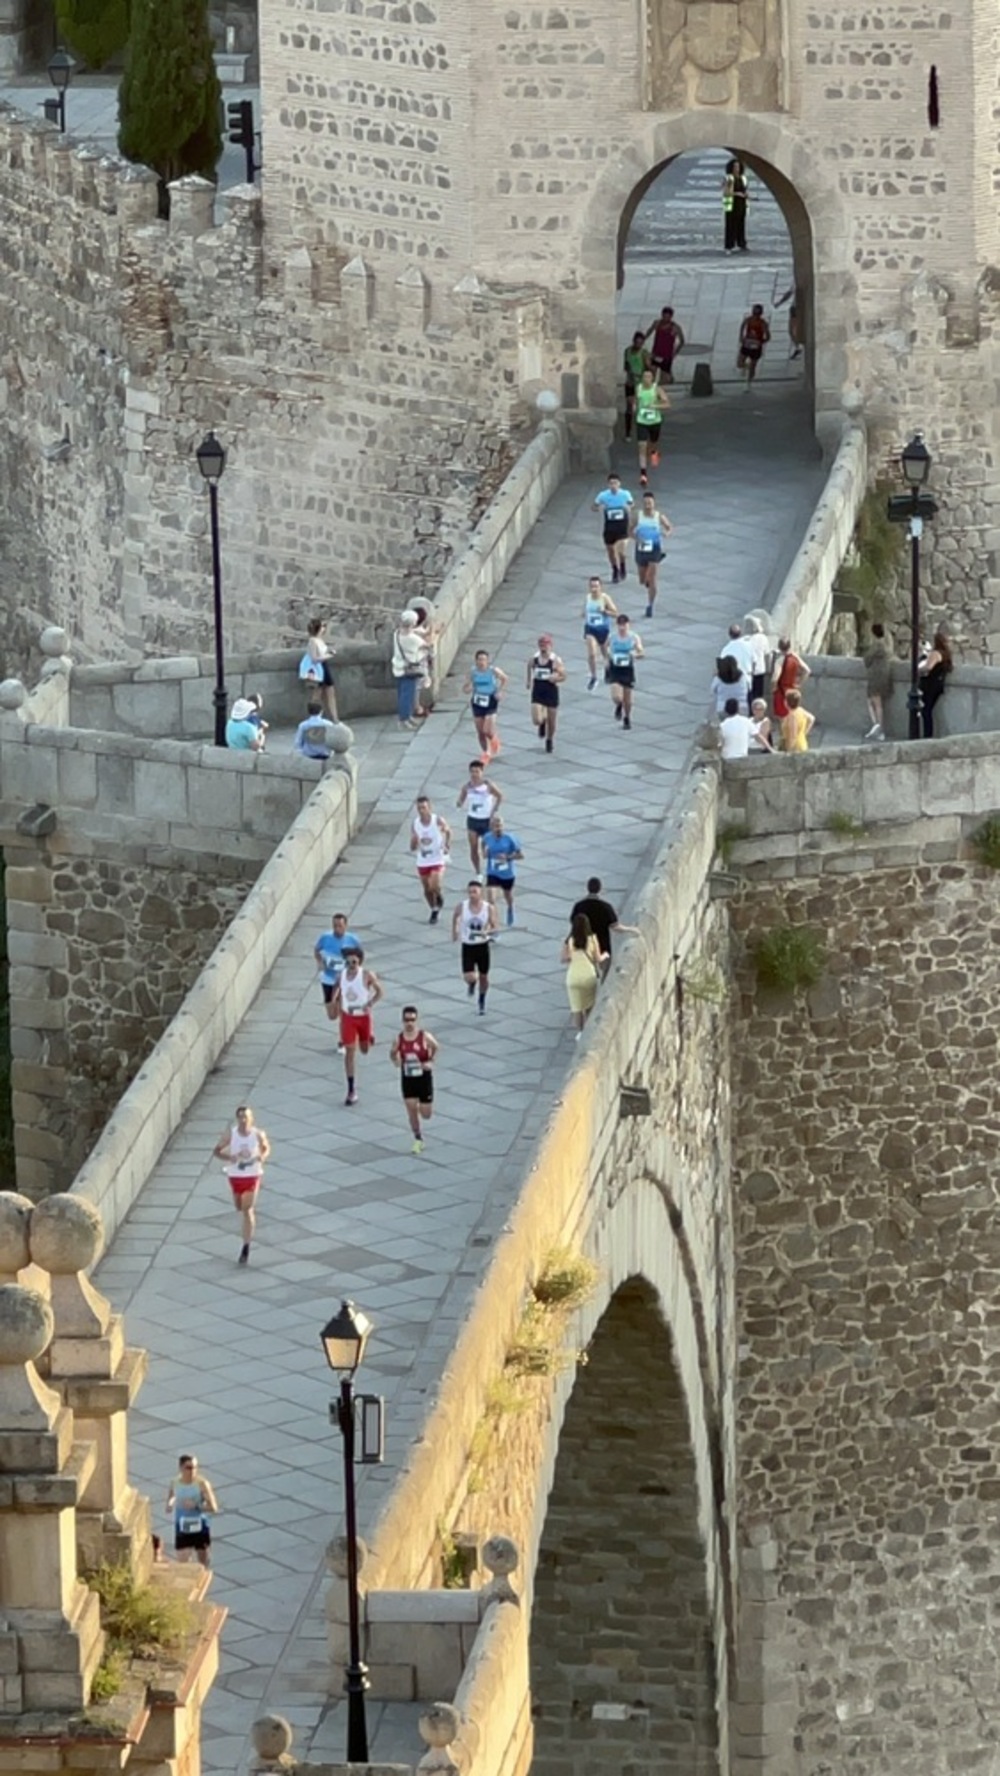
<point x="343" y="1339"/>
<point x="211" y="458"/>
<point x="912" y="508"/>
<point x="60" y="73"/>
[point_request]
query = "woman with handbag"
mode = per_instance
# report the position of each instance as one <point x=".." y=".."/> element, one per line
<point x="410" y="650"/>
<point x="316" y="667"/>
<point x="582" y="954"/>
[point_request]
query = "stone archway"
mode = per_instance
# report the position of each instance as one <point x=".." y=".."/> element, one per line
<point x="623" y="1656"/>
<point x="813" y="208"/>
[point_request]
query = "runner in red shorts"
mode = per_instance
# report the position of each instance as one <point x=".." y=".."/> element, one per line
<point x="244" y="1148"/>
<point x="357" y="990"/>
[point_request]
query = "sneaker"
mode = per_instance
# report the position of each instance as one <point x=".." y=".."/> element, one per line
<point x="643" y="478"/>
<point x="591" y="682"/>
<point x="435" y="916"/>
<point x="618" y="712"/>
<point x="417" y="1147"/>
<point x="626" y="721"/>
<point x="244" y="1257"/>
<point x="541" y="730"/>
<point x="623" y="571"/>
<point x="472" y="989"/>
<point x="484" y="758"/>
<point x="510" y="915"/>
<point x="649" y="612"/>
<point x="482" y="1011"/>
<point x="548" y="745"/>
<point x="340" y="1048"/>
<point x="351" y="1098"/>
<point x="495" y="746"/>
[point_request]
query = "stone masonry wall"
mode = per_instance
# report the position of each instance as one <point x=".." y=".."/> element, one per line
<point x="621" y="1605"/>
<point x="102" y="953"/>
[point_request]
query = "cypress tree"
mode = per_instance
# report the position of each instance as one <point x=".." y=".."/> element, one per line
<point x="95" y="29"/>
<point x="169" y="100"/>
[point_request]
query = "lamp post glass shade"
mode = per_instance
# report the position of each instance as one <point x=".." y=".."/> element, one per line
<point x="60" y="69"/>
<point x="916" y="461"/>
<point x="211" y="457"/>
<point x="344" y="1338"/>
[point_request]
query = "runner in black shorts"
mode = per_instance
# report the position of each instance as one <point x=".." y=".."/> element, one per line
<point x="615" y="503"/>
<point x="546" y="673"/>
<point x="475" y="920"/>
<point x="413" y="1051"/>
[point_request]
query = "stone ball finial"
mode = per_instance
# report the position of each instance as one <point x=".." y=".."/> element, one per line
<point x="53" y="642"/>
<point x="336" y="1556"/>
<point x="272" y="1738"/>
<point x="15" y="1219"/>
<point x="26" y="1324"/>
<point x="66" y="1234"/>
<point x="341" y="737"/>
<point x="438" y="1725"/>
<point x="12" y="693"/>
<point x="547" y="402"/>
<point x="500" y="1556"/>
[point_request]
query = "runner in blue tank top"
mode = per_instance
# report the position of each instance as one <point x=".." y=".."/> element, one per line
<point x="484" y="687"/>
<point x="649" y="527"/>
<point x="624" y="649"/>
<point x="598" y="610"/>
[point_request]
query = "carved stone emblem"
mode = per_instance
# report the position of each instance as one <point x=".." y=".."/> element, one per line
<point x="713" y="52"/>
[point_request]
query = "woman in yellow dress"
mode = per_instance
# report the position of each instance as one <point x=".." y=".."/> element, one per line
<point x="796" y="725"/>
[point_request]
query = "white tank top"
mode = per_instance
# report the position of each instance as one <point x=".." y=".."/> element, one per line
<point x="354" y="993"/>
<point x="430" y="843"/>
<point x="475" y="925"/>
<point x="245" y="1149"/>
<point x="479" y="801"/>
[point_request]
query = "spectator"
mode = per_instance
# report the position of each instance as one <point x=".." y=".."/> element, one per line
<point x="760" y="727"/>
<point x="729" y="681"/>
<point x="242" y="732"/>
<point x="738" y="648"/>
<point x="314" y="736"/>
<point x="410" y="651"/>
<point x="735" y="731"/>
<point x="796" y="725"/>
<point x="878" y="680"/>
<point x="760" y="656"/>
<point x="789" y="674"/>
<point x="256" y="702"/>
<point x="603" y="919"/>
<point x="316" y="666"/>
<point x="582" y="954"/>
<point x="933" y="672"/>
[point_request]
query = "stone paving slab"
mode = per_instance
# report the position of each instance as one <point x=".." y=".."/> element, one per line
<point x="236" y="1368"/>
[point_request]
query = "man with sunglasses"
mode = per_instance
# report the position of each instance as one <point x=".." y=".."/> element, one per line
<point x="413" y="1051"/>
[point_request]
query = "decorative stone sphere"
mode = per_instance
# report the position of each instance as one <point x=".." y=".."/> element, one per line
<point x="66" y="1234"/>
<point x="336" y="1556"/>
<point x="547" y="402"/>
<point x="272" y="1737"/>
<point x="438" y="1725"/>
<point x="341" y="737"/>
<point x="26" y="1324"/>
<point x="12" y="693"/>
<point x="500" y="1556"/>
<point x="53" y="642"/>
<point x="15" y="1217"/>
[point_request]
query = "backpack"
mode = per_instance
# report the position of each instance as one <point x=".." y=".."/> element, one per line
<point x="727" y="668"/>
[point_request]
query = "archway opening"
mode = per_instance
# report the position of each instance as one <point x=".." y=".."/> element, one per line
<point x="623" y="1660"/>
<point x="671" y="252"/>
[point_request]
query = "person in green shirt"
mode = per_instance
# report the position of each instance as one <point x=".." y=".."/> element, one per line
<point x="651" y="403"/>
<point x="636" y="360"/>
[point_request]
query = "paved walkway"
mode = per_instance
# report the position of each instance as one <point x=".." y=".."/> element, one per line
<point x="237" y="1373"/>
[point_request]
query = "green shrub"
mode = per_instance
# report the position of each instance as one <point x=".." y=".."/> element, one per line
<point x="870" y="572"/>
<point x="139" y="1619"/>
<point x="985" y="842"/>
<point x="845" y="825"/>
<point x="95" y="29"/>
<point x="789" y="956"/>
<point x="169" y="99"/>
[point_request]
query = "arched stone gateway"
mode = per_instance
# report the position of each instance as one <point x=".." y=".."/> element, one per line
<point x="623" y="1660"/>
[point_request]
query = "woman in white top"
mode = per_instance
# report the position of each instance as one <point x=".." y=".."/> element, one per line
<point x="760" y="656"/>
<point x="320" y="654"/>
<point x="244" y="1148"/>
<point x="760" y="727"/>
<point x="410" y="652"/>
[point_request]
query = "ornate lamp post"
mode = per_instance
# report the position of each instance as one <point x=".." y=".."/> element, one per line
<point x="211" y="459"/>
<point x="60" y="74"/>
<point x="344" y="1339"/>
<point x="912" y="508"/>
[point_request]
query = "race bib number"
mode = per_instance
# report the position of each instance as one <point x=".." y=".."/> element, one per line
<point x="188" y="1525"/>
<point x="413" y="1066"/>
<point x="480" y="701"/>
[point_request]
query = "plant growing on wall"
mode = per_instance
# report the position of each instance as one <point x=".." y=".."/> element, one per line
<point x="169" y="102"/>
<point x="789" y="956"/>
<point x="985" y="842"/>
<point x="869" y="572"/>
<point x="95" y="29"/>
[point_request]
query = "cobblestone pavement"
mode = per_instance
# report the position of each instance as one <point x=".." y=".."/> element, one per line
<point x="236" y="1372"/>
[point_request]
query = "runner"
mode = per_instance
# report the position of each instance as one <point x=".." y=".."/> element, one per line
<point x="635" y="361"/>
<point x="480" y="798"/>
<point x="413" y="1051"/>
<point x="615" y="502"/>
<point x="598" y="610"/>
<point x="546" y="673"/>
<point x="244" y="1149"/>
<point x="485" y="686"/>
<point x="651" y="402"/>
<point x="430" y="838"/>
<point x="358" y="989"/>
<point x="668" y="340"/>
<point x="624" y="648"/>
<point x="475" y="921"/>
<point x="191" y="1501"/>
<point x="329" y="953"/>
<point x="501" y="851"/>
<point x="754" y="335"/>
<point x="649" y="527"/>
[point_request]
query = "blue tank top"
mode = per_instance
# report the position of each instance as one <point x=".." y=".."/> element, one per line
<point x="595" y="614"/>
<point x="621" y="649"/>
<point x="647" y="531"/>
<point x="484" y="685"/>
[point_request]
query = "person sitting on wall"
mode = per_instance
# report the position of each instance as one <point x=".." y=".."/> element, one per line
<point x="242" y="732"/>
<point x="313" y="737"/>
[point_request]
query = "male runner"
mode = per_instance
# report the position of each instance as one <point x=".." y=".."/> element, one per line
<point x="413" y="1051"/>
<point x="484" y="687"/>
<point x="501" y="851"/>
<point x="634" y="361"/>
<point x="329" y="953"/>
<point x="651" y="403"/>
<point x="480" y="798"/>
<point x="598" y="609"/>
<point x="649" y="528"/>
<point x="357" y="990"/>
<point x="475" y="920"/>
<point x="624" y="648"/>
<point x="244" y="1148"/>
<point x="668" y="339"/>
<point x="754" y="335"/>
<point x="615" y="502"/>
<point x="430" y="838"/>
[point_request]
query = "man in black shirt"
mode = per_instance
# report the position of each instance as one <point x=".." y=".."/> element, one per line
<point x="603" y="918"/>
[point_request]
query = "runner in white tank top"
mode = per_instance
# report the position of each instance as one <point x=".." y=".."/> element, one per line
<point x="430" y="839"/>
<point x="358" y="989"/>
<point x="244" y="1148"/>
<point x="475" y="921"/>
<point x="480" y="798"/>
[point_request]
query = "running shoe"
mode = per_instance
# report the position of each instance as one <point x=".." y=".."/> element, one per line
<point x="627" y="722"/>
<point x="623" y="571"/>
<point x="649" y="612"/>
<point x="472" y="989"/>
<point x="351" y="1098"/>
<point x="541" y="730"/>
<point x="244" y="1257"/>
<point x="591" y="682"/>
<point x="435" y="916"/>
<point x="548" y="746"/>
<point x="484" y="758"/>
<point x="417" y="1147"/>
<point x="495" y="746"/>
<point x="510" y="915"/>
<point x="618" y="712"/>
<point x="482" y="1011"/>
<point x="643" y="478"/>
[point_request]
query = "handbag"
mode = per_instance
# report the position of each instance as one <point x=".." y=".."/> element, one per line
<point x="310" y="669"/>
